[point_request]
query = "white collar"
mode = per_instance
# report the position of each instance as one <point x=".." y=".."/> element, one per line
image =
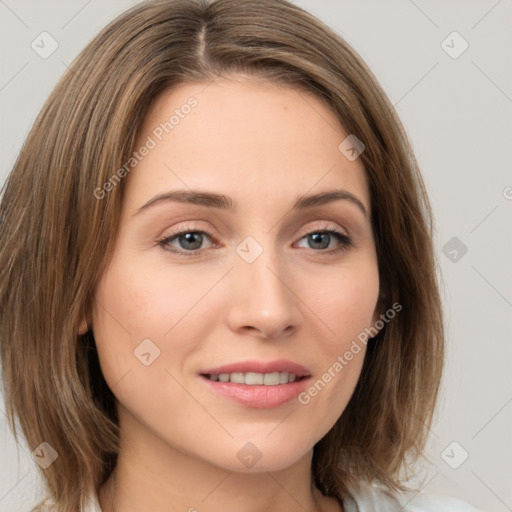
<point x="370" y="498"/>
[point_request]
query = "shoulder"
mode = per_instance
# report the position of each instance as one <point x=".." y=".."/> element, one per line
<point x="435" y="502"/>
<point x="49" y="505"/>
<point x="46" y="505"/>
<point x="372" y="498"/>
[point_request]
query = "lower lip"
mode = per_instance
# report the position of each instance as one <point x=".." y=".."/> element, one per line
<point x="258" y="397"/>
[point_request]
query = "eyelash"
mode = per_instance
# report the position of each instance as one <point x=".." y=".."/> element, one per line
<point x="345" y="242"/>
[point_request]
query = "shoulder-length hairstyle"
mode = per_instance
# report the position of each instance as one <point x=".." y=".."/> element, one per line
<point x="56" y="235"/>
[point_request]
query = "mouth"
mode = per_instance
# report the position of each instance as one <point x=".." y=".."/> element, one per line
<point x="257" y="384"/>
<point x="255" y="378"/>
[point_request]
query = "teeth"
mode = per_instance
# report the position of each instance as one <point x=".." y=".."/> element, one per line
<point x="238" y="378"/>
<point x="255" y="379"/>
<point x="271" y="379"/>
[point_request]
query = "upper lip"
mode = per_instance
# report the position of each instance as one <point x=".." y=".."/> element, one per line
<point x="280" y="365"/>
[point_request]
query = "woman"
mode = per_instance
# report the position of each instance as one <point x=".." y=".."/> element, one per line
<point x="224" y="242"/>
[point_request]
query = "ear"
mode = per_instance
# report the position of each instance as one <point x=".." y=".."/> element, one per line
<point x="85" y="324"/>
<point x="83" y="327"/>
<point x="380" y="308"/>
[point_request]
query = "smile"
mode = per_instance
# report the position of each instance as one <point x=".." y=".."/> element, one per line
<point x="255" y="379"/>
<point x="257" y="384"/>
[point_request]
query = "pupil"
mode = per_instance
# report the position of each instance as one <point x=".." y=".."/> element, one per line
<point x="322" y="239"/>
<point x="191" y="240"/>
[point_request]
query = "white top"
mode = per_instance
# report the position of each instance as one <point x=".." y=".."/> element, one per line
<point x="371" y="498"/>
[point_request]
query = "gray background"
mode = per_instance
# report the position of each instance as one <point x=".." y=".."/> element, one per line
<point x="457" y="112"/>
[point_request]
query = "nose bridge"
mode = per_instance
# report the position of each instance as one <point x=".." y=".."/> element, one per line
<point x="263" y="298"/>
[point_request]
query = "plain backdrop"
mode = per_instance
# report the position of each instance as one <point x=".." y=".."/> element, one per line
<point x="456" y="105"/>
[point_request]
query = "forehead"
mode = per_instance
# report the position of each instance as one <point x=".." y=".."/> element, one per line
<point x="246" y="138"/>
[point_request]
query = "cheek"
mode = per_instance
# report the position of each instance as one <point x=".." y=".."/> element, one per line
<point x="125" y="313"/>
<point x="135" y="303"/>
<point x="146" y="300"/>
<point x="346" y="302"/>
<point x="346" y="307"/>
<point x="133" y="311"/>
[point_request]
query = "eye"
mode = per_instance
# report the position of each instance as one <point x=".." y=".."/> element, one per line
<point x="326" y="240"/>
<point x="191" y="242"/>
<point x="185" y="241"/>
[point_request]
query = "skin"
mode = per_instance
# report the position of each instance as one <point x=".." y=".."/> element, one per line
<point x="263" y="145"/>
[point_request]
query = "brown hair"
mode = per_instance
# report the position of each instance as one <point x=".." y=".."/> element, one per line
<point x="56" y="237"/>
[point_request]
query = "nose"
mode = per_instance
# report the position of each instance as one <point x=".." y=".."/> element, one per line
<point x="263" y="302"/>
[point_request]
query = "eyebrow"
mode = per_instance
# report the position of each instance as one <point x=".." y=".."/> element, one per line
<point x="213" y="200"/>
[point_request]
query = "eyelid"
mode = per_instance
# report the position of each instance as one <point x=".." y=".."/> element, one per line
<point x="325" y="226"/>
<point x="344" y="239"/>
<point x="304" y="232"/>
<point x="163" y="240"/>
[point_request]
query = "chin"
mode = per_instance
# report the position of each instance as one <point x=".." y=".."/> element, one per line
<point x="262" y="455"/>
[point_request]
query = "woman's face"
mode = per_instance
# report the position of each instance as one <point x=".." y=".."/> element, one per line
<point x="232" y="261"/>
